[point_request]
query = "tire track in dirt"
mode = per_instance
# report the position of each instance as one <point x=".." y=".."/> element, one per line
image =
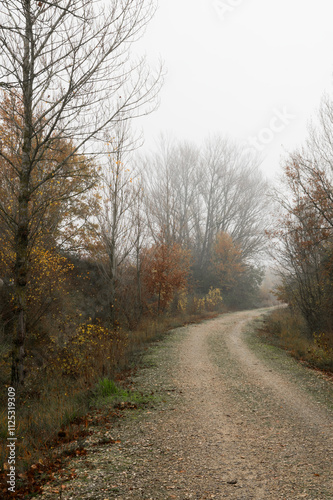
<point x="292" y="397"/>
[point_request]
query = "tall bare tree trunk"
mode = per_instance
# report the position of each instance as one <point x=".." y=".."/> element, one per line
<point x="22" y="231"/>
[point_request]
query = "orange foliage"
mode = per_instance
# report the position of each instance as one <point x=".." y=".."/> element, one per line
<point x="305" y="235"/>
<point x="165" y="271"/>
<point x="226" y="261"/>
<point x="58" y="179"/>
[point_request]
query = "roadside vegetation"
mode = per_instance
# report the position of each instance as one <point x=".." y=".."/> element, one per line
<point x="288" y="329"/>
<point x="78" y="377"/>
<point x="302" y="246"/>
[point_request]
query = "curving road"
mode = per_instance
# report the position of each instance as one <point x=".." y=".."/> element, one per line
<point x="236" y="422"/>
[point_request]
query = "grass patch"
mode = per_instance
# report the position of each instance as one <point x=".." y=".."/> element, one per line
<point x="269" y="349"/>
<point x="107" y="388"/>
<point x="108" y="392"/>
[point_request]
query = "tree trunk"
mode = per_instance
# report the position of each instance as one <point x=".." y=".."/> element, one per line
<point x="22" y="230"/>
<point x="112" y="287"/>
<point x="138" y="285"/>
<point x="20" y="282"/>
<point x="18" y="353"/>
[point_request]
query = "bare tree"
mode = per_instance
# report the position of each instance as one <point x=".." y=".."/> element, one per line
<point x="170" y="188"/>
<point x="67" y="64"/>
<point x="193" y="194"/>
<point x="303" y="235"/>
<point x="139" y="237"/>
<point x="118" y="230"/>
<point x="233" y="196"/>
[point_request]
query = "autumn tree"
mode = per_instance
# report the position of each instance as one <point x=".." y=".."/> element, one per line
<point x="237" y="277"/>
<point x="54" y="205"/>
<point x="65" y="69"/>
<point x="226" y="262"/>
<point x="56" y="213"/>
<point x="165" y="269"/>
<point x="303" y="250"/>
<point x="303" y="238"/>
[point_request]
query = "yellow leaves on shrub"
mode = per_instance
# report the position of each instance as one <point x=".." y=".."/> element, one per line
<point x="213" y="299"/>
<point x="91" y="347"/>
<point x="322" y="342"/>
<point x="49" y="272"/>
<point x="182" y="302"/>
<point x="209" y="302"/>
<point x="199" y="304"/>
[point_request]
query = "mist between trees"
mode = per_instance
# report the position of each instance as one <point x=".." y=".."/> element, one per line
<point x="179" y="222"/>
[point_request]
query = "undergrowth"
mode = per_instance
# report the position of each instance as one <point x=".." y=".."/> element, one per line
<point x="287" y="329"/>
<point x="59" y="394"/>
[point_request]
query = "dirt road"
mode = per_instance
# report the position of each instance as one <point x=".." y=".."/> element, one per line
<point x="237" y="422"/>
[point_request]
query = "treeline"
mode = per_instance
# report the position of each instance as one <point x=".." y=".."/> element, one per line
<point x="212" y="201"/>
<point x="181" y="219"/>
<point x="130" y="238"/>
<point x="303" y="238"/>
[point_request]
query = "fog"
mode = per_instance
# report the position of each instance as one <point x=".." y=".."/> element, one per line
<point x="236" y="67"/>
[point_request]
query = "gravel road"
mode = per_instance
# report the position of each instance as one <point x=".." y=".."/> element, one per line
<point x="232" y="421"/>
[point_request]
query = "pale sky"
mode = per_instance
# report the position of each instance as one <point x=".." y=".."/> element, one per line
<point x="254" y="70"/>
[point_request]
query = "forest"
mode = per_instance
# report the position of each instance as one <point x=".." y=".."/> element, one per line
<point x="103" y="246"/>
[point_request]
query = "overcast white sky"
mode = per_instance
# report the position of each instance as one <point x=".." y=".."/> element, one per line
<point x="235" y="66"/>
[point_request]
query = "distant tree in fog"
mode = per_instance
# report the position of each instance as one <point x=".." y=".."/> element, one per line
<point x="193" y="194"/>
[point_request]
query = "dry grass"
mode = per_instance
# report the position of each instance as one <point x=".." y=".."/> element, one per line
<point x="288" y="329"/>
